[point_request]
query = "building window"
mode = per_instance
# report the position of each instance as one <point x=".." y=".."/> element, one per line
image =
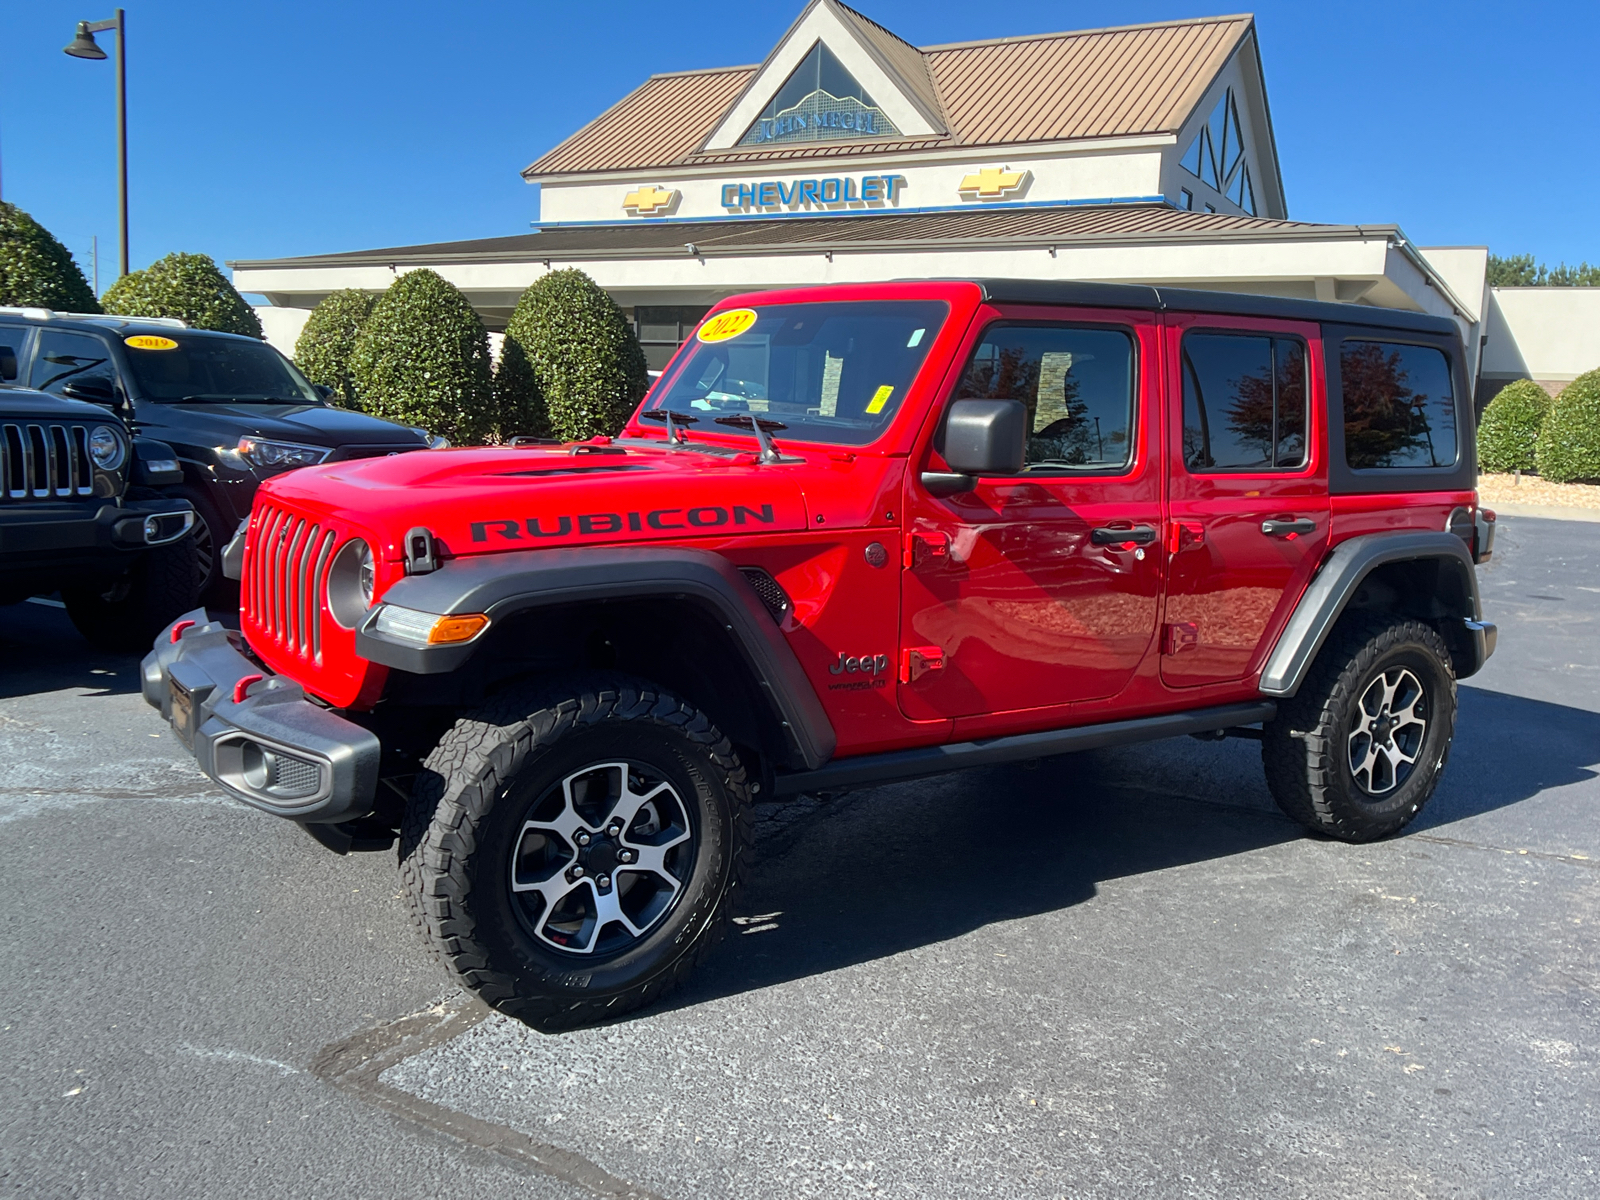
<point x="1186" y="199"/>
<point x="1216" y="156"/>
<point x="661" y="329"/>
<point x="821" y="100"/>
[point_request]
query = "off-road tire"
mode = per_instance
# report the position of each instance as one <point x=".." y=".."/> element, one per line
<point x="126" y="614"/>
<point x="471" y="797"/>
<point x="1304" y="750"/>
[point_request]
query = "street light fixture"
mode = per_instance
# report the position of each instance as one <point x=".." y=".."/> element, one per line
<point x="83" y="46"/>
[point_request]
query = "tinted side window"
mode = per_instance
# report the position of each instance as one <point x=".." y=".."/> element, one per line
<point x="1399" y="408"/>
<point x="1244" y="402"/>
<point x="64" y="358"/>
<point x="1078" y="384"/>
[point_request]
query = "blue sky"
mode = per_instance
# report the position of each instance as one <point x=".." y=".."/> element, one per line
<point x="280" y="127"/>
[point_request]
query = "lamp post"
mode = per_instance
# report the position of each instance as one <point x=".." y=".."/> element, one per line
<point x="83" y="46"/>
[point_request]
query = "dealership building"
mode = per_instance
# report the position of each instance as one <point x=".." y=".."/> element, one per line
<point x="1143" y="154"/>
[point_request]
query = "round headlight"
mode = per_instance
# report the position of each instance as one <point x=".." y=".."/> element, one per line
<point x="106" y="447"/>
<point x="351" y="581"/>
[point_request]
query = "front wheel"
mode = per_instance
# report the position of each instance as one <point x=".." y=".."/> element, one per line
<point x="127" y="613"/>
<point x="1359" y="749"/>
<point x="569" y="852"/>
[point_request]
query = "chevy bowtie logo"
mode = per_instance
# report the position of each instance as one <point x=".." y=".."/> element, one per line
<point x="993" y="182"/>
<point x="649" y="199"/>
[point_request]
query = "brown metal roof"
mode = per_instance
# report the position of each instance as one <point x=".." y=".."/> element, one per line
<point x="1139" y="79"/>
<point x="976" y="227"/>
<point x="904" y="61"/>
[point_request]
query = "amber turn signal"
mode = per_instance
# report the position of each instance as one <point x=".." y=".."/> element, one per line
<point x="460" y="628"/>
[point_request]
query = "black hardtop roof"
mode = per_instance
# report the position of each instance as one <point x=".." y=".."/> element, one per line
<point x="1238" y="304"/>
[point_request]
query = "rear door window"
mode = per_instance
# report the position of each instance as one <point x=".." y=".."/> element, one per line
<point x="1399" y="406"/>
<point x="1244" y="403"/>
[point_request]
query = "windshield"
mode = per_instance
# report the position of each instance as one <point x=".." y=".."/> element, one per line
<point x="180" y="366"/>
<point x="829" y="372"/>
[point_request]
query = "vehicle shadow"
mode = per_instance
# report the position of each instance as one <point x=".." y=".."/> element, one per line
<point x="41" y="651"/>
<point x="912" y="865"/>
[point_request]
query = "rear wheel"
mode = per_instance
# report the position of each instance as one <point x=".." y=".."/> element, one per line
<point x="128" y="613"/>
<point x="1360" y="748"/>
<point x="569" y="853"/>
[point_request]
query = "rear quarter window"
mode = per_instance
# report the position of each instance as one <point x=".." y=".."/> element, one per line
<point x="1399" y="406"/>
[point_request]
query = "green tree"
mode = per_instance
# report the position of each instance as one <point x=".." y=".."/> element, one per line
<point x="323" y="349"/>
<point x="1569" y="444"/>
<point x="1509" y="431"/>
<point x="36" y="270"/>
<point x="186" y="286"/>
<point x="571" y="363"/>
<point x="422" y="358"/>
<point x="1519" y="270"/>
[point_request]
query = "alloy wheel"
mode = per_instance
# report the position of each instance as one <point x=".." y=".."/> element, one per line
<point x="1388" y="731"/>
<point x="601" y="858"/>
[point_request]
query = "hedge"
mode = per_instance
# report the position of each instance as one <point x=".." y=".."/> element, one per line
<point x="1569" y="443"/>
<point x="36" y="271"/>
<point x="187" y="286"/>
<point x="571" y="364"/>
<point x="422" y="358"/>
<point x="322" y="351"/>
<point x="1510" y="427"/>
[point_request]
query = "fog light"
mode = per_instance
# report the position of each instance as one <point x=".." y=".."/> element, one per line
<point x="282" y="776"/>
<point x="152" y="528"/>
<point x="428" y="629"/>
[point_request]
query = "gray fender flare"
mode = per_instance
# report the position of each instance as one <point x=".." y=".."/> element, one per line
<point x="500" y="585"/>
<point x="1336" y="582"/>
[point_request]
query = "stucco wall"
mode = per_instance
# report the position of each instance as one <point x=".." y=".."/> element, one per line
<point x="1544" y="333"/>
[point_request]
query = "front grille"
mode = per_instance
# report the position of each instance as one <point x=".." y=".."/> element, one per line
<point x="285" y="579"/>
<point x="38" y="461"/>
<point x="379" y="451"/>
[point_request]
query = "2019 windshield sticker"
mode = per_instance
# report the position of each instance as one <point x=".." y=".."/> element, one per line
<point x="706" y="516"/>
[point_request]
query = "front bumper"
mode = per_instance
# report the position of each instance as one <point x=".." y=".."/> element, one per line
<point x="40" y="528"/>
<point x="270" y="747"/>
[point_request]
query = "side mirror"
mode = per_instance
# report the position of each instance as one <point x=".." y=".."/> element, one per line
<point x="96" y="389"/>
<point x="323" y="390"/>
<point x="8" y="364"/>
<point x="981" y="437"/>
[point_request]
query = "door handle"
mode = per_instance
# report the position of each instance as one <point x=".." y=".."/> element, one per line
<point x="1289" y="529"/>
<point x="1111" y="535"/>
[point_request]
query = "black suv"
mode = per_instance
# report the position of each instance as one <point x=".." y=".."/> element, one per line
<point x="234" y="409"/>
<point x="80" y="513"/>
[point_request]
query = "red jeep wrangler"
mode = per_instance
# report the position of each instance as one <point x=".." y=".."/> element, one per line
<point x="853" y="535"/>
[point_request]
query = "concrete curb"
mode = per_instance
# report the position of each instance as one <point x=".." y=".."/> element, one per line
<point x="1550" y="512"/>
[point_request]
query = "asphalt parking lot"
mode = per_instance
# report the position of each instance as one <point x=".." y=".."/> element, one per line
<point x="1120" y="974"/>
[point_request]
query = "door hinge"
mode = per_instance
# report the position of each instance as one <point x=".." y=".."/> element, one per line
<point x="927" y="549"/>
<point x="1180" y="636"/>
<point x="917" y="661"/>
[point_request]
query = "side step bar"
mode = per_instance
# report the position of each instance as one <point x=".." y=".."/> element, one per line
<point x="896" y="765"/>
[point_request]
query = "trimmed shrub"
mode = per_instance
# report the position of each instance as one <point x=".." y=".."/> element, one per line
<point x="322" y="351"/>
<point x="1569" y="443"/>
<point x="571" y="363"/>
<point x="36" y="270"/>
<point x="422" y="358"/>
<point x="187" y="286"/>
<point x="1510" y="427"/>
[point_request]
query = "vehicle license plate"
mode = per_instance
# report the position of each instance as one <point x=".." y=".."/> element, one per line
<point x="182" y="712"/>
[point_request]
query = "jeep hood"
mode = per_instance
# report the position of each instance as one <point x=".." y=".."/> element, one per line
<point x="478" y="501"/>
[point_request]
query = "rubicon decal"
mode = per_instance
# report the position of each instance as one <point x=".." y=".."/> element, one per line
<point x="601" y="524"/>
